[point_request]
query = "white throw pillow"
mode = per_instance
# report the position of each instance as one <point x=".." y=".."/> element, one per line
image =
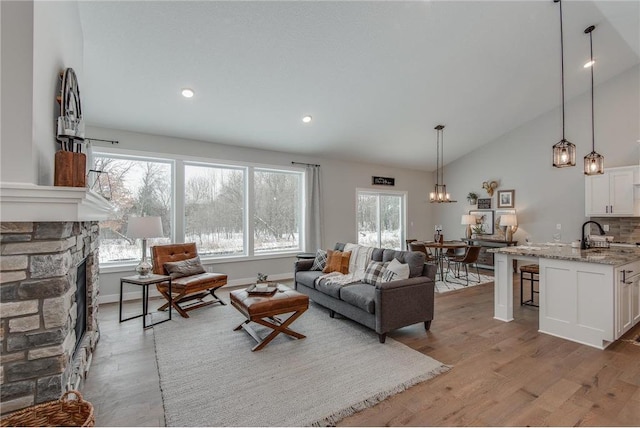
<point x="395" y="271"/>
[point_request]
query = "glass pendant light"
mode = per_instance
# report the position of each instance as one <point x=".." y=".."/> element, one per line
<point x="440" y="193"/>
<point x="564" y="152"/>
<point x="593" y="162"/>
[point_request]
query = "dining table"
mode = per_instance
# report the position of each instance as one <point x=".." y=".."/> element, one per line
<point x="439" y="252"/>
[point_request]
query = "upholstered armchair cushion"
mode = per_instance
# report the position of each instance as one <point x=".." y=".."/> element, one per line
<point x="190" y="283"/>
<point x="184" y="268"/>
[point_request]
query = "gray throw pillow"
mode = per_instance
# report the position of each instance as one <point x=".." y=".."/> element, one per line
<point x="320" y="261"/>
<point x="184" y="268"/>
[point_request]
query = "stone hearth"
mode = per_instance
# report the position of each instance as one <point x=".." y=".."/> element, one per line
<point x="38" y="360"/>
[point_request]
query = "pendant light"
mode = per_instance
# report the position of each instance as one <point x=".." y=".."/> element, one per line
<point x="564" y="152"/>
<point x="593" y="162"/>
<point x="440" y="195"/>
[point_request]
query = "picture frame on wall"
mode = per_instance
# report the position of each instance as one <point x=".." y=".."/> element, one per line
<point x="496" y="220"/>
<point x="484" y="203"/>
<point x="484" y="222"/>
<point x="506" y="198"/>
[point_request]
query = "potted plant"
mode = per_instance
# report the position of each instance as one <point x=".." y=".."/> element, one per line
<point x="477" y="230"/>
<point x="472" y="198"/>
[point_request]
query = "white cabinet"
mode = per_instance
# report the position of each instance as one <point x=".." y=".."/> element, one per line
<point x="627" y="279"/>
<point x="612" y="194"/>
<point x="577" y="301"/>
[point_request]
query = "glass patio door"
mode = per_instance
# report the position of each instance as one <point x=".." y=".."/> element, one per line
<point x="381" y="218"/>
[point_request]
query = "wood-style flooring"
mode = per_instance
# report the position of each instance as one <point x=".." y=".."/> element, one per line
<point x="505" y="374"/>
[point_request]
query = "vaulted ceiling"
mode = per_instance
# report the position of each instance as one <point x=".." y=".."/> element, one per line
<point x="375" y="76"/>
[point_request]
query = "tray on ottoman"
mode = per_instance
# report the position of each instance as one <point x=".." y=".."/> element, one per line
<point x="264" y="309"/>
<point x="270" y="290"/>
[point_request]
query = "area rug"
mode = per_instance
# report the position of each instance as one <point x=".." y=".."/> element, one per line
<point x="210" y="377"/>
<point x="453" y="283"/>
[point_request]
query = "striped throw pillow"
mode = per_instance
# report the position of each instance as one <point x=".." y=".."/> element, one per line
<point x="320" y="261"/>
<point x="374" y="272"/>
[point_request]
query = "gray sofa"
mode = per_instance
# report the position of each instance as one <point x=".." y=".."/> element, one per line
<point x="383" y="307"/>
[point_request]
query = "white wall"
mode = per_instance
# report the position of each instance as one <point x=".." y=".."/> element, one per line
<point x="39" y="40"/>
<point x="522" y="160"/>
<point x="339" y="180"/>
<point x="57" y="44"/>
<point x="17" y="100"/>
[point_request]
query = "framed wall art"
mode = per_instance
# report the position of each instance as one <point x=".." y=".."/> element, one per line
<point x="484" y="203"/>
<point x="496" y="221"/>
<point x="484" y="222"/>
<point x="506" y="198"/>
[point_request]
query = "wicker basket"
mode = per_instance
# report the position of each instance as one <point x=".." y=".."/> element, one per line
<point x="62" y="412"/>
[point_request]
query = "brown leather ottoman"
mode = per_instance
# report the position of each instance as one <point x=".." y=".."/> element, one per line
<point x="263" y="310"/>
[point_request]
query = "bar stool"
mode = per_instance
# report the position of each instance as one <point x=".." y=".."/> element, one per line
<point x="533" y="271"/>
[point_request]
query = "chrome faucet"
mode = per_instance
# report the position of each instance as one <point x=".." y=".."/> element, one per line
<point x="583" y="242"/>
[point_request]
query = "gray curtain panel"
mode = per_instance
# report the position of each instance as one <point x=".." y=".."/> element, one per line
<point x="313" y="212"/>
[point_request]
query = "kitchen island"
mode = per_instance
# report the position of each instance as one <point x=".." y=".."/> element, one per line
<point x="588" y="296"/>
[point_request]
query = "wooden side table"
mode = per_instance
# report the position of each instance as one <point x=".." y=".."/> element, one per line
<point x="145" y="283"/>
<point x="305" y="256"/>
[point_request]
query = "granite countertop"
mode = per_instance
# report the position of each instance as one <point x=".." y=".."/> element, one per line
<point x="608" y="256"/>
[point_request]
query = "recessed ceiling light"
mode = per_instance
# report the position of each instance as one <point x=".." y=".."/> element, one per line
<point x="589" y="64"/>
<point x="187" y="93"/>
<point x="306" y="119"/>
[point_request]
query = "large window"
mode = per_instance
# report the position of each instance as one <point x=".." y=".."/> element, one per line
<point x="213" y="208"/>
<point x="381" y="218"/>
<point x="139" y="187"/>
<point x="227" y="210"/>
<point x="277" y="210"/>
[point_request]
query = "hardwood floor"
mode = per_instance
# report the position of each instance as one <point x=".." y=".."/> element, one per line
<point x="505" y="374"/>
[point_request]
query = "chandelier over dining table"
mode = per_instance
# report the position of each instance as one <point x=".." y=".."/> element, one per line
<point x="440" y="194"/>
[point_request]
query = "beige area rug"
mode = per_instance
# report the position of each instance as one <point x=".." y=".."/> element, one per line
<point x="210" y="377"/>
<point x="453" y="283"/>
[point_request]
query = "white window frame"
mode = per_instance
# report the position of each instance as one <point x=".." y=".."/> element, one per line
<point x="403" y="206"/>
<point x="139" y="157"/>
<point x="301" y="212"/>
<point x="177" y="234"/>
<point x="247" y="171"/>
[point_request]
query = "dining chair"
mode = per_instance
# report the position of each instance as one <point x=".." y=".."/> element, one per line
<point x="414" y="246"/>
<point x="470" y="257"/>
<point x="409" y="241"/>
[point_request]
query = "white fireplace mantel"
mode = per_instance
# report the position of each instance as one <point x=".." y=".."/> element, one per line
<point x="24" y="202"/>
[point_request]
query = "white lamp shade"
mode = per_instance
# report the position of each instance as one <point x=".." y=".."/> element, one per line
<point x="144" y="227"/>
<point x="508" y="220"/>
<point x="468" y="219"/>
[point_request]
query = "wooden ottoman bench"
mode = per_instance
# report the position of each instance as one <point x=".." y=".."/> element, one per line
<point x="264" y="309"/>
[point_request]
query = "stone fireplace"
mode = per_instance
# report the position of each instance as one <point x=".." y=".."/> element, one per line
<point x="48" y="236"/>
<point x="42" y="355"/>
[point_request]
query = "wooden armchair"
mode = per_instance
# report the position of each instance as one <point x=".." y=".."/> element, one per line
<point x="188" y="291"/>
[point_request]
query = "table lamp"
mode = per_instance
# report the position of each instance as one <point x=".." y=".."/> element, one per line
<point x="144" y="227"/>
<point x="468" y="219"/>
<point x="510" y="223"/>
